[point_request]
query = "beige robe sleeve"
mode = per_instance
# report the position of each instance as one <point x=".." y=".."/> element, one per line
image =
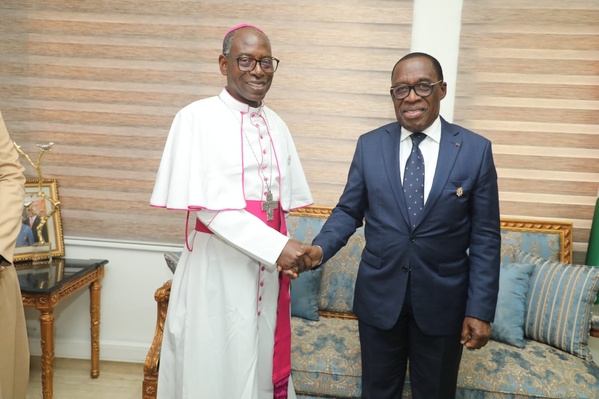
<point x="12" y="195"/>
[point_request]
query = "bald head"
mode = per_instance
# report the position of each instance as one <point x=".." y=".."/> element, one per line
<point x="433" y="60"/>
<point x="228" y="40"/>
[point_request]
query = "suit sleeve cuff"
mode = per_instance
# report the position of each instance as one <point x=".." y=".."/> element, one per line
<point x="321" y="256"/>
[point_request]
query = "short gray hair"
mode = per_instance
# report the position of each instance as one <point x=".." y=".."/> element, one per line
<point x="227" y="43"/>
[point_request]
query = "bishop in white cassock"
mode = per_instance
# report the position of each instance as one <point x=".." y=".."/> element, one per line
<point x="222" y="157"/>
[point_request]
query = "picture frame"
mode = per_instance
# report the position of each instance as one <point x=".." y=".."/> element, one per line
<point x="29" y="245"/>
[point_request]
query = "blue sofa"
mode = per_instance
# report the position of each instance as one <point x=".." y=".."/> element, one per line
<point x="326" y="348"/>
<point x="549" y="364"/>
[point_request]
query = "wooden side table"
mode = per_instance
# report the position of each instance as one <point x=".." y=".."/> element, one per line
<point x="43" y="285"/>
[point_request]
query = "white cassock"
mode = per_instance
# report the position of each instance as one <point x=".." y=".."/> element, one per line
<point x="219" y="332"/>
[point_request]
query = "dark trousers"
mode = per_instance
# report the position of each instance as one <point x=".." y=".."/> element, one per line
<point x="434" y="361"/>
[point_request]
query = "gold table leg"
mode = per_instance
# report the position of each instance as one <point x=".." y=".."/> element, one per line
<point x="94" y="296"/>
<point x="47" y="341"/>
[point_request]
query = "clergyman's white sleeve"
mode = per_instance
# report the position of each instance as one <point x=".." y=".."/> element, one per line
<point x="245" y="232"/>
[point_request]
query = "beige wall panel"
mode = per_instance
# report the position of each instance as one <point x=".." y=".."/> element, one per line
<point x="528" y="114"/>
<point x="540" y="139"/>
<point x="547" y="163"/>
<point x="530" y="185"/>
<point x="567" y="212"/>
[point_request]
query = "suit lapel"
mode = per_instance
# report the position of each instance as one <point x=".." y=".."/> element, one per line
<point x="390" y="151"/>
<point x="449" y="148"/>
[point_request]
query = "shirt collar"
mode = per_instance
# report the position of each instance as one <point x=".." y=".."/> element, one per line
<point x="237" y="105"/>
<point x="433" y="131"/>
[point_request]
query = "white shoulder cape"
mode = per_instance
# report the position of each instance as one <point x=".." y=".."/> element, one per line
<point x="202" y="164"/>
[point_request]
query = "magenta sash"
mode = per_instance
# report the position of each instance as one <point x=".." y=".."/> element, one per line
<point x="281" y="369"/>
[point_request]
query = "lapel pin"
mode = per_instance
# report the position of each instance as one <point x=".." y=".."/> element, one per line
<point x="459" y="191"/>
<point x="457" y="144"/>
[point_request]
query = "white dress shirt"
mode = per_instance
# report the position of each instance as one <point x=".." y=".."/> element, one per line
<point x="430" y="151"/>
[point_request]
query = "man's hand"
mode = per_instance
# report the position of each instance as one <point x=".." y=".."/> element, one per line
<point x="475" y="333"/>
<point x="305" y="258"/>
<point x="312" y="257"/>
<point x="289" y="259"/>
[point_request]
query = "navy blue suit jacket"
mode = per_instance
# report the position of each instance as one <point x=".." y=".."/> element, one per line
<point x="452" y="254"/>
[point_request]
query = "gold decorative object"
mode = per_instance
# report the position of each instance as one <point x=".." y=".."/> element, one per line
<point x="43" y="216"/>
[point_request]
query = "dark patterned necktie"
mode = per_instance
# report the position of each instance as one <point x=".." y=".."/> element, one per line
<point x="413" y="179"/>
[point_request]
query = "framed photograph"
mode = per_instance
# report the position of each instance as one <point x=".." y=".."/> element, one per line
<point x="41" y="235"/>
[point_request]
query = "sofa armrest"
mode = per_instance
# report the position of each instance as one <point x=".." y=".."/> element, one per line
<point x="150" y="381"/>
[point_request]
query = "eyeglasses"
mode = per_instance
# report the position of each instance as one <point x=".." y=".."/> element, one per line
<point x="267" y="64"/>
<point x="422" y="89"/>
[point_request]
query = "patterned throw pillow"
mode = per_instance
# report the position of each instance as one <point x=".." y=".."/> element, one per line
<point x="305" y="293"/>
<point x="559" y="305"/>
<point x="305" y="290"/>
<point x="508" y="326"/>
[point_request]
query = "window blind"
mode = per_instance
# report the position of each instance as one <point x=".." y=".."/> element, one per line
<point x="104" y="79"/>
<point x="528" y="79"/>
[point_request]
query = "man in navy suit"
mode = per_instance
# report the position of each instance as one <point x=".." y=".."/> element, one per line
<point x="426" y="287"/>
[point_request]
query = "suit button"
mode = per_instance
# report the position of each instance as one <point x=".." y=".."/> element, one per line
<point x="412" y="238"/>
<point x="405" y="269"/>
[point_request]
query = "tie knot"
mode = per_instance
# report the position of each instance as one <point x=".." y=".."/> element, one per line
<point x="417" y="138"/>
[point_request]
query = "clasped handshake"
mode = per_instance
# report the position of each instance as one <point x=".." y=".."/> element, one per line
<point x="297" y="258"/>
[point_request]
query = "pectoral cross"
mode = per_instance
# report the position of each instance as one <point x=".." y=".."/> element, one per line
<point x="269" y="206"/>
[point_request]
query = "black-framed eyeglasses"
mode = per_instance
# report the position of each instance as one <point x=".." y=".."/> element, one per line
<point x="423" y="89"/>
<point x="247" y="64"/>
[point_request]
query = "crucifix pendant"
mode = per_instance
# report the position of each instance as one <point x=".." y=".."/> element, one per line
<point x="269" y="206"/>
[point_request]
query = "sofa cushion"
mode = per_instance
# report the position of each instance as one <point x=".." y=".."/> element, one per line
<point x="326" y="364"/>
<point x="339" y="276"/>
<point x="305" y="290"/>
<point x="305" y="294"/>
<point x="172" y="258"/>
<point x="508" y="326"/>
<point x="538" y="370"/>
<point x="339" y="273"/>
<point x="559" y="305"/>
<point x="546" y="244"/>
